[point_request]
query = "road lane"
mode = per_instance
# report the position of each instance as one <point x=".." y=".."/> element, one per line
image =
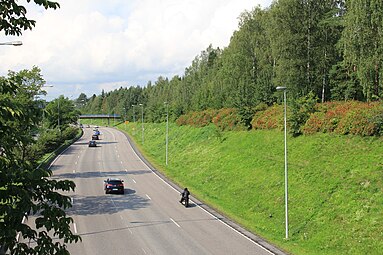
<point x="147" y="219"/>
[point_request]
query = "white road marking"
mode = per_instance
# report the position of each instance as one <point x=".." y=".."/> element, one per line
<point x="148" y="197"/>
<point x="121" y="217"/>
<point x="121" y="163"/>
<point x="74" y="171"/>
<point x="175" y="222"/>
<point x="129" y="229"/>
<point x="75" y="228"/>
<point x="75" y="163"/>
<point x="144" y="250"/>
<point x="134" y="181"/>
<point x="126" y="170"/>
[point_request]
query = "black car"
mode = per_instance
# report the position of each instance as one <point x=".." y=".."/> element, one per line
<point x="113" y="185"/>
<point x="92" y="144"/>
<point x="95" y="137"/>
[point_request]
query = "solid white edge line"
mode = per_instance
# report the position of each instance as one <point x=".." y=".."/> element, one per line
<point x="227" y="225"/>
<point x="175" y="223"/>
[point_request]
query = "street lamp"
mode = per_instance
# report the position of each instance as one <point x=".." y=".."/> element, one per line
<point x="142" y="121"/>
<point x="134" y="113"/>
<point x="58" y="114"/>
<point x="14" y="43"/>
<point x="286" y="175"/>
<point x="167" y="132"/>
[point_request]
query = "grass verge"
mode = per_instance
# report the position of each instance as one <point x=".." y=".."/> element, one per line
<point x="335" y="183"/>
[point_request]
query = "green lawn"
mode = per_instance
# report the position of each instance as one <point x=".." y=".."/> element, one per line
<point x="335" y="183"/>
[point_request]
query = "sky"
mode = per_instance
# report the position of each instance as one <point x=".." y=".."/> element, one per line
<point x="88" y="46"/>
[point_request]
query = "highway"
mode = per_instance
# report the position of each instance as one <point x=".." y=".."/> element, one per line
<point x="147" y="219"/>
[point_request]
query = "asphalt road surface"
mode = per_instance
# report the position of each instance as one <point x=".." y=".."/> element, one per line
<point x="148" y="218"/>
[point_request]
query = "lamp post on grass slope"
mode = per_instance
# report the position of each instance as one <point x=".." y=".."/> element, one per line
<point x="167" y="132"/>
<point x="286" y="173"/>
<point x="142" y="121"/>
<point x="134" y="113"/>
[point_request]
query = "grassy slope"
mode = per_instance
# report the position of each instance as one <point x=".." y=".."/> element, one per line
<point x="335" y="183"/>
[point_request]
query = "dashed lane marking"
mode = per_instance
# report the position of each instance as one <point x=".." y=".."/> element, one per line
<point x="175" y="222"/>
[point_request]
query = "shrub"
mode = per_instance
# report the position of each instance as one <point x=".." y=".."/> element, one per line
<point x="224" y="119"/>
<point x="356" y="118"/>
<point x="228" y="119"/>
<point x="270" y="118"/>
<point x="361" y="119"/>
<point x="69" y="133"/>
<point x="314" y="124"/>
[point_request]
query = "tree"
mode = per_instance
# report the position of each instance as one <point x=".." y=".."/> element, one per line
<point x="362" y="41"/>
<point x="81" y="101"/>
<point x="60" y="113"/>
<point x="25" y="190"/>
<point x="13" y="16"/>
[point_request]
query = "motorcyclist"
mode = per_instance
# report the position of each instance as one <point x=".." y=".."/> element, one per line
<point x="185" y="197"/>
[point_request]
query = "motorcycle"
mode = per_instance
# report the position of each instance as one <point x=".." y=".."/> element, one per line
<point x="185" y="202"/>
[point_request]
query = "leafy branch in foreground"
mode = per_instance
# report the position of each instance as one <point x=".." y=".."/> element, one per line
<point x="27" y="191"/>
<point x="13" y="17"/>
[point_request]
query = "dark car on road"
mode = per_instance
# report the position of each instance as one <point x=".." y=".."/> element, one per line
<point x="95" y="137"/>
<point x="92" y="144"/>
<point x="114" y="185"/>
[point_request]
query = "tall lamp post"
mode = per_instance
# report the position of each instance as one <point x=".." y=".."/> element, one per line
<point x="286" y="173"/>
<point x="134" y="113"/>
<point x="58" y="114"/>
<point x="14" y="43"/>
<point x="167" y="132"/>
<point x="142" y="121"/>
<point x="44" y="86"/>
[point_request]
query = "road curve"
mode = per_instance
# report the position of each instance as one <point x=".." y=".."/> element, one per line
<point x="147" y="219"/>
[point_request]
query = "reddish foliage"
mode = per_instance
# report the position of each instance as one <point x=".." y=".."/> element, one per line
<point x="224" y="119"/>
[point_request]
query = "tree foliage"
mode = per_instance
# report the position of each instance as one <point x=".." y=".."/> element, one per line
<point x="307" y="46"/>
<point x="13" y="16"/>
<point x="27" y="190"/>
<point x="60" y="113"/>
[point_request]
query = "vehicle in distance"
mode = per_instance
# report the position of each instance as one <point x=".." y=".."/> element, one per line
<point x="96" y="132"/>
<point x="92" y="143"/>
<point x="95" y="137"/>
<point x="114" y="185"/>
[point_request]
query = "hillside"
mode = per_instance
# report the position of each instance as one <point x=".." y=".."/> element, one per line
<point x="335" y="183"/>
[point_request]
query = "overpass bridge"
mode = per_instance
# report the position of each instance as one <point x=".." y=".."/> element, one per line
<point x="100" y="116"/>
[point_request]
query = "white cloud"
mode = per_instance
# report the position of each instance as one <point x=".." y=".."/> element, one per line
<point x="91" y="45"/>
